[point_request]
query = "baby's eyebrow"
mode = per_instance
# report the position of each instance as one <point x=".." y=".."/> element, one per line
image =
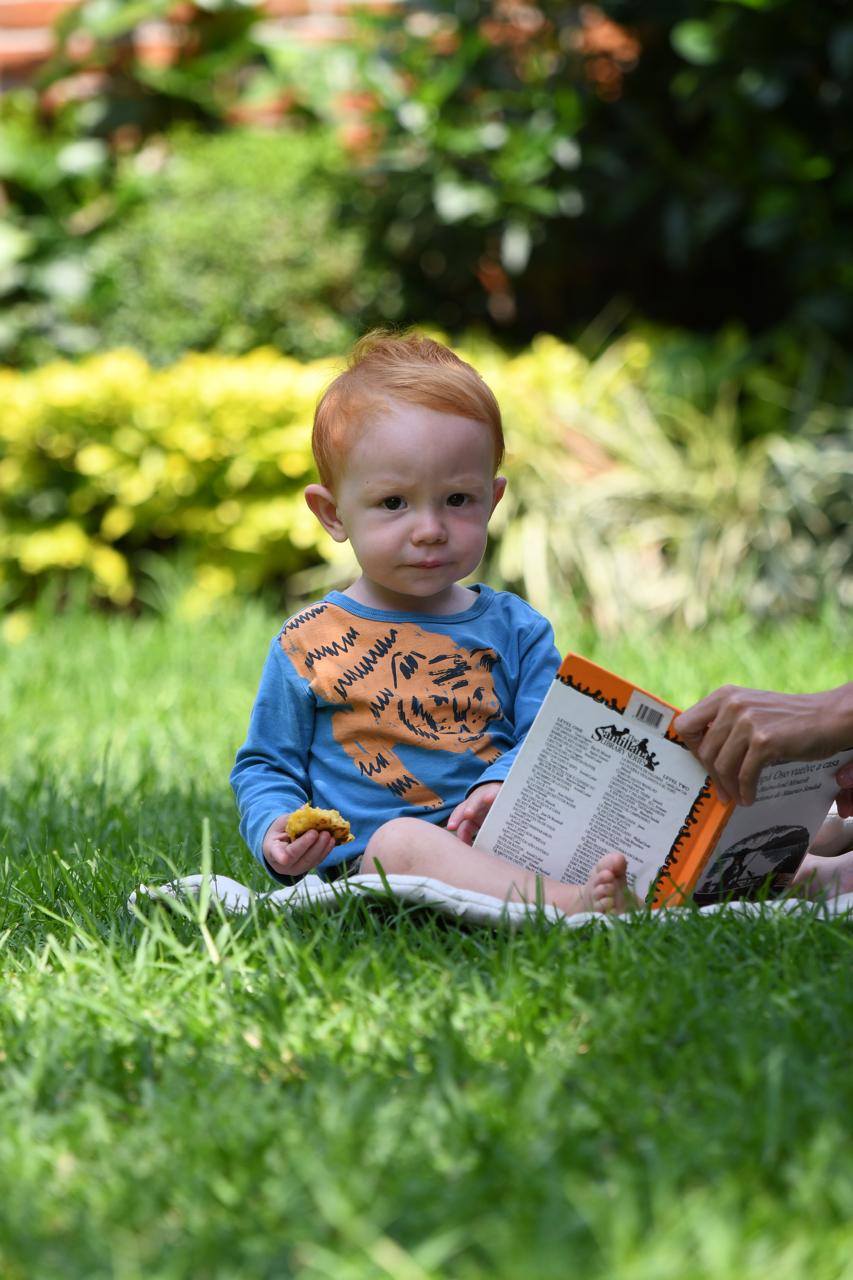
<point x="469" y="485"/>
<point x="384" y="485"/>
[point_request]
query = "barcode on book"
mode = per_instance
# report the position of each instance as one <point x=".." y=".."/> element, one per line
<point x="652" y="715"/>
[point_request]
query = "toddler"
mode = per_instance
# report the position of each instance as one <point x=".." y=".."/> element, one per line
<point x="402" y="700"/>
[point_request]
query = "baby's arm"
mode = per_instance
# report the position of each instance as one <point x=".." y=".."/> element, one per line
<point x="538" y="661"/>
<point x="270" y="776"/>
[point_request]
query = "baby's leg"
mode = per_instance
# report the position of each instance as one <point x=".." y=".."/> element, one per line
<point x="818" y="875"/>
<point x="413" y="847"/>
<point x="828" y="865"/>
<point x="834" y="837"/>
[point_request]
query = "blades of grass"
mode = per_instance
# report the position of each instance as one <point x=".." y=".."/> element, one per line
<point x="203" y="901"/>
<point x="204" y="894"/>
<point x="69" y="926"/>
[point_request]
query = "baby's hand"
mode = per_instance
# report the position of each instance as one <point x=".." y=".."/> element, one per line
<point x="295" y="857"/>
<point x="467" y="818"/>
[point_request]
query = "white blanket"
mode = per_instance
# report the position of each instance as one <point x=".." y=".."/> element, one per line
<point x="475" y="908"/>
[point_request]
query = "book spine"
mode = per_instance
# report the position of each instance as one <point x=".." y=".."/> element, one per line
<point x="690" y="850"/>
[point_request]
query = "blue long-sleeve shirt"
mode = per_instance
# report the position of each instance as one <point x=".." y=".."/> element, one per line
<point x="382" y="714"/>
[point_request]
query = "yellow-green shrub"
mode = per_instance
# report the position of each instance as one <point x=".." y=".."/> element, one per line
<point x="108" y="458"/>
<point x="626" y="507"/>
<point x="653" y="510"/>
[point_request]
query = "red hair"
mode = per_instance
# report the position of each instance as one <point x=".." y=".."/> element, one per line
<point x="384" y="367"/>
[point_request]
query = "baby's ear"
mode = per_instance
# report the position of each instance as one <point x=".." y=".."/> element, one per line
<point x="498" y="490"/>
<point x="322" y="502"/>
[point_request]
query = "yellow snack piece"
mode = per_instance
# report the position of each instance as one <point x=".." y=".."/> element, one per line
<point x="310" y="819"/>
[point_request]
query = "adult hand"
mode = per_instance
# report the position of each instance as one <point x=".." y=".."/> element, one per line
<point x="734" y="732"/>
<point x="467" y="818"/>
<point x="844" y="799"/>
<point x="295" y="857"/>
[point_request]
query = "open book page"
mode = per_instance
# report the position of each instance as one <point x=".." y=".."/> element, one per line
<point x="601" y="770"/>
<point x="769" y="838"/>
<point x="589" y="780"/>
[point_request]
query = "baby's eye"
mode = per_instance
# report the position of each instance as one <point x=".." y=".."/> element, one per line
<point x="392" y="504"/>
<point x="457" y="499"/>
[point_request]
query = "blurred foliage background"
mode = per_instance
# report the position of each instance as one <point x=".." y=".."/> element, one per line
<point x="635" y="221"/>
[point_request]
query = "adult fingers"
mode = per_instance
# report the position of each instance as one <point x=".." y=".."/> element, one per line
<point x="721" y="751"/>
<point x="693" y="722"/>
<point x="844" y="799"/>
<point x="734" y="752"/>
<point x="753" y="762"/>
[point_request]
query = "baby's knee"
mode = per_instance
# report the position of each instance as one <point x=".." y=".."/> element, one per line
<point x="390" y="846"/>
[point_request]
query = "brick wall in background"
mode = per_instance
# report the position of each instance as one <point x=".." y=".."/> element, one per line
<point x="27" y="38"/>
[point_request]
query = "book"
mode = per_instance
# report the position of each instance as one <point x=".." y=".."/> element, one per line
<point x="603" y="770"/>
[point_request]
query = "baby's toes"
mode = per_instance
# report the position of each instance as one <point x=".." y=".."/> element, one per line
<point x="604" y="890"/>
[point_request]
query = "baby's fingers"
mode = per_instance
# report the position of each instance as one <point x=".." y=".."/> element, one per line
<point x="307" y="850"/>
<point x="467" y="831"/>
<point x="295" y="857"/>
<point x="459" y="814"/>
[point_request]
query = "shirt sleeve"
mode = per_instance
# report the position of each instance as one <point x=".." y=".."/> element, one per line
<point x="270" y="774"/>
<point x="538" y="662"/>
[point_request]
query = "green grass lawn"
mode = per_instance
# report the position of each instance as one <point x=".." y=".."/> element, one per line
<point x="376" y="1092"/>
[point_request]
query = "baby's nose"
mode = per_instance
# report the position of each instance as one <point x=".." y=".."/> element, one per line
<point x="429" y="527"/>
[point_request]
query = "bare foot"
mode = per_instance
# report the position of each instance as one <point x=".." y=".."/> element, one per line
<point x="606" y="890"/>
<point x="832" y="875"/>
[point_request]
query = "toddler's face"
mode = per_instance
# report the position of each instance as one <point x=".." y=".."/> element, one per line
<point x="415" y="498"/>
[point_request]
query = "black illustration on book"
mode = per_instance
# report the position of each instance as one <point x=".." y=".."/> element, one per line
<point x="763" y="861"/>
<point x="624" y="740"/>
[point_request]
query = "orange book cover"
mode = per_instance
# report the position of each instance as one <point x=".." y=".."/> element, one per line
<point x="707" y="815"/>
<point x="602" y="769"/>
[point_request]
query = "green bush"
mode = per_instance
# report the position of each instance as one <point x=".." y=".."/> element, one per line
<point x="552" y="167"/>
<point x="688" y="163"/>
<point x="630" y="504"/>
<point x="105" y="462"/>
<point x="52" y="184"/>
<point x="61" y="150"/>
<point x="237" y="242"/>
<point x="639" y="506"/>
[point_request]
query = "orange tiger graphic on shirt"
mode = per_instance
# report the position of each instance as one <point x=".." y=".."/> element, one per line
<point x="395" y="684"/>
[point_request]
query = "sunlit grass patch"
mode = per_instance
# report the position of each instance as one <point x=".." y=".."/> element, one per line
<point x="375" y="1091"/>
